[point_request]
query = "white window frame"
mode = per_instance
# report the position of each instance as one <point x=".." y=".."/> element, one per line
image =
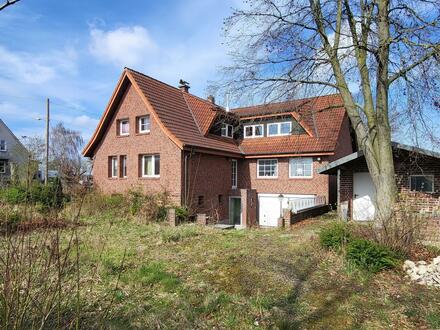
<point x="279" y="128"/>
<point x="264" y="176"/>
<point x="234" y="168"/>
<point x="300" y="176"/>
<point x="253" y="131"/>
<point x="143" y="131"/>
<point x="114" y="166"/>
<point x="3" y="145"/>
<point x="153" y="158"/>
<point x="5" y="164"/>
<point x="422" y="175"/>
<point x="124" y="166"/>
<point x="120" y="127"/>
<point x="226" y="129"/>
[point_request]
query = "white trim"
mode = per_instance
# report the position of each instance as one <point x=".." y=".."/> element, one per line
<point x="234" y="161"/>
<point x="141" y="131"/>
<point x="253" y="131"/>
<point x="5" y="144"/>
<point x="279" y="128"/>
<point x="241" y="211"/>
<point x="228" y="128"/>
<point x="424" y="176"/>
<point x="267" y="177"/>
<point x="299" y="176"/>
<point x="120" y="127"/>
<point x="153" y="157"/>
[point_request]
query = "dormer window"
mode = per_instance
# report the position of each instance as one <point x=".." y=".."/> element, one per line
<point x="124" y="127"/>
<point x="252" y="131"/>
<point x="278" y="129"/>
<point x="227" y="130"/>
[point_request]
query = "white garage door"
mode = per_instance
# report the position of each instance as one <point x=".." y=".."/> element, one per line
<point x="269" y="211"/>
<point x="364" y="195"/>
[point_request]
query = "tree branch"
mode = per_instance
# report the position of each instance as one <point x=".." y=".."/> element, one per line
<point x="8" y="3"/>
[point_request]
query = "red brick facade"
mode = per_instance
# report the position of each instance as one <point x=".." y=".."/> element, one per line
<point x="134" y="145"/>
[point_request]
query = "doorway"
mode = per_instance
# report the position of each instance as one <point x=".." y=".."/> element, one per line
<point x="235" y="210"/>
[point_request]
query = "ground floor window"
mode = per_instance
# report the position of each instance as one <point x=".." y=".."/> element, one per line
<point x="114" y="166"/>
<point x="3" y="166"/>
<point x="267" y="168"/>
<point x="124" y="166"/>
<point x="151" y="165"/>
<point x="423" y="183"/>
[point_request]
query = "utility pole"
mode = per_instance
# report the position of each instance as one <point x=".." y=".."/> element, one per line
<point x="46" y="170"/>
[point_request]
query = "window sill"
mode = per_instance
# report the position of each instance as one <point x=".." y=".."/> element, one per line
<point x="143" y="133"/>
<point x="267" y="177"/>
<point x="122" y="136"/>
<point x="150" y="177"/>
<point x="301" y="177"/>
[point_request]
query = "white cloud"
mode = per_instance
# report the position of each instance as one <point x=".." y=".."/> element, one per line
<point x="36" y="68"/>
<point x="124" y="46"/>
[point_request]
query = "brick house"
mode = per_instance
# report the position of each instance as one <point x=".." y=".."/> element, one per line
<point x="241" y="166"/>
<point x="417" y="174"/>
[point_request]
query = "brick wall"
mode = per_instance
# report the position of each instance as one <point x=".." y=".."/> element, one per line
<point x="318" y="185"/>
<point x="209" y="177"/>
<point x="155" y="142"/>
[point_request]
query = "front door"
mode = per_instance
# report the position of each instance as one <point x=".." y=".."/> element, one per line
<point x="364" y="195"/>
<point x="235" y="210"/>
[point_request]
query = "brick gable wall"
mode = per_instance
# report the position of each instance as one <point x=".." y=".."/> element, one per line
<point x="155" y="142"/>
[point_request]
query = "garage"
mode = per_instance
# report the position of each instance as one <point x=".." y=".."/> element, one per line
<point x="271" y="205"/>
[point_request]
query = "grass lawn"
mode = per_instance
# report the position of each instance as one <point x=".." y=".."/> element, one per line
<point x="154" y="276"/>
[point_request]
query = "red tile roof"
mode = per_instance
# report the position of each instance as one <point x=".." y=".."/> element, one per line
<point x="321" y="117"/>
<point x="186" y="119"/>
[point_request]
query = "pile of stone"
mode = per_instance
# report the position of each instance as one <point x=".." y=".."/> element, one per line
<point x="423" y="273"/>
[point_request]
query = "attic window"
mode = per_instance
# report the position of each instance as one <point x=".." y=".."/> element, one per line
<point x="227" y="130"/>
<point x="3" y="145"/>
<point x="277" y="129"/>
<point x="251" y="131"/>
<point x="144" y="124"/>
<point x="124" y="127"/>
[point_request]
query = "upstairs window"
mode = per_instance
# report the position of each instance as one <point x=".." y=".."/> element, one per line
<point x="144" y="124"/>
<point x="2" y="166"/>
<point x="278" y="129"/>
<point x="422" y="183"/>
<point x="267" y="168"/>
<point x="227" y="130"/>
<point x="124" y="127"/>
<point x="3" y="146"/>
<point x="301" y="167"/>
<point x="151" y="166"/>
<point x="251" y="131"/>
<point x="114" y="167"/>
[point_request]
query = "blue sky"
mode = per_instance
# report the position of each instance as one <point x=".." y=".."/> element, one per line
<point x="74" y="51"/>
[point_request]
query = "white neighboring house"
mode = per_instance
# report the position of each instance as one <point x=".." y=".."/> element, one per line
<point x="12" y="153"/>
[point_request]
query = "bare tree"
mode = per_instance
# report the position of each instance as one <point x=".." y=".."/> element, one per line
<point x="370" y="51"/>
<point x="66" y="154"/>
<point x="7" y="4"/>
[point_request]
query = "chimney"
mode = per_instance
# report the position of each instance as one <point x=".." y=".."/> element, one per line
<point x="211" y="99"/>
<point x="183" y="85"/>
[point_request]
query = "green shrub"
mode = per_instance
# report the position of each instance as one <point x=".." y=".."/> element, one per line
<point x="182" y="214"/>
<point x="13" y="195"/>
<point x="334" y="236"/>
<point x="370" y="256"/>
